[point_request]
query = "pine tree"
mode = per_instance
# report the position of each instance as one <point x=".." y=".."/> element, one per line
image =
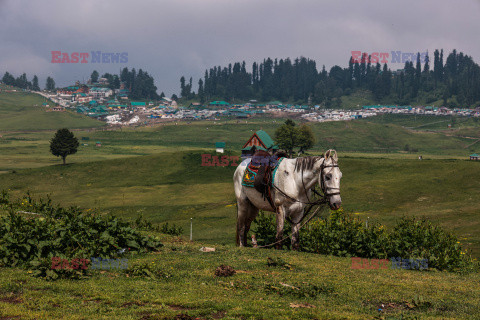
<point x="63" y="144"/>
<point x="35" y="86"/>
<point x="94" y="76"/>
<point x="201" y="93"/>
<point x="50" y="84"/>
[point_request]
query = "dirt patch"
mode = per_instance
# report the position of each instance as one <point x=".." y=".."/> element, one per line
<point x="178" y="307"/>
<point x="11" y="300"/>
<point x="10" y="318"/>
<point x="132" y="303"/>
<point x="184" y="317"/>
<point x="225" y="271"/>
<point x="92" y="300"/>
<point x="219" y="315"/>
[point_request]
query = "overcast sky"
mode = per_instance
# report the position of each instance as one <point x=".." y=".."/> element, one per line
<point x="184" y="37"/>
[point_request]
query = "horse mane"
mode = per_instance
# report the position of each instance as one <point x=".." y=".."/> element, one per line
<point x="306" y="163"/>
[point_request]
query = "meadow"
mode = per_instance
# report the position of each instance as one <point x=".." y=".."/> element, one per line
<point x="156" y="172"/>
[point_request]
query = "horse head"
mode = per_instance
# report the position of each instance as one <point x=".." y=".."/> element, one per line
<point x="329" y="179"/>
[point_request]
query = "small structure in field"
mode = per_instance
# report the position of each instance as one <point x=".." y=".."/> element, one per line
<point x="98" y="144"/>
<point x="260" y="140"/>
<point x="474" y="157"/>
<point x="220" y="147"/>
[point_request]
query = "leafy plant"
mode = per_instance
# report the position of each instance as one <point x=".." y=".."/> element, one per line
<point x="171" y="230"/>
<point x="148" y="270"/>
<point x="35" y="231"/>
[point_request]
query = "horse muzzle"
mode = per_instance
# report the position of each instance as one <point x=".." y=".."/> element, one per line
<point x="335" y="205"/>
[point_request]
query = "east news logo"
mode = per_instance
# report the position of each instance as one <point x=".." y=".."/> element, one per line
<point x="95" y="57"/>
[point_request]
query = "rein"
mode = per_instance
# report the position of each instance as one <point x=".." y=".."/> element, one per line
<point x="290" y="235"/>
<point x="323" y="197"/>
<point x="323" y="200"/>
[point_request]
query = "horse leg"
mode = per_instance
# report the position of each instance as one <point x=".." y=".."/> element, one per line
<point x="252" y="214"/>
<point x="280" y="217"/>
<point x="244" y="219"/>
<point x="295" y="236"/>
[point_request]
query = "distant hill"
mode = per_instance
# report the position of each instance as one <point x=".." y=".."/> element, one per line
<point x="18" y="112"/>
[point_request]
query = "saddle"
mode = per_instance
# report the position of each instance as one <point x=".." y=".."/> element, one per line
<point x="263" y="164"/>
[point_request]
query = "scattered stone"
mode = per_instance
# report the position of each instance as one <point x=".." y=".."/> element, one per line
<point x="207" y="249"/>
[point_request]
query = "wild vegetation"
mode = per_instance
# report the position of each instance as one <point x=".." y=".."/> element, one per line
<point x="33" y="232"/>
<point x="342" y="234"/>
<point x="152" y="179"/>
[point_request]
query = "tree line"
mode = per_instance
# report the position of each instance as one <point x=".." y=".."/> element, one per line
<point x="455" y="81"/>
<point x="23" y="83"/>
<point x="140" y="84"/>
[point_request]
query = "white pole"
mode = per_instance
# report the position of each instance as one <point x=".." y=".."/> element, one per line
<point x="191" y="229"/>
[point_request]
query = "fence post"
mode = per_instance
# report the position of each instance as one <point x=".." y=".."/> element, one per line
<point x="191" y="229"/>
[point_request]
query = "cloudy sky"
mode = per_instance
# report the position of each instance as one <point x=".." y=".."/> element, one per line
<point x="172" y="38"/>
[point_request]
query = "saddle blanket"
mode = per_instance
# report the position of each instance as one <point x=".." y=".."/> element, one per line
<point x="252" y="170"/>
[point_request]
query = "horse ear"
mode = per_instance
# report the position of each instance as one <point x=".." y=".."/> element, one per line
<point x="327" y="154"/>
<point x="334" y="155"/>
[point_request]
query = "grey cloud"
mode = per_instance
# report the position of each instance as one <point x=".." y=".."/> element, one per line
<point x="184" y="37"/>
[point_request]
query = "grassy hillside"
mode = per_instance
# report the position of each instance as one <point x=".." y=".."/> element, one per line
<point x="175" y="187"/>
<point x="359" y="98"/>
<point x="18" y="113"/>
<point x="31" y="149"/>
<point x="186" y="288"/>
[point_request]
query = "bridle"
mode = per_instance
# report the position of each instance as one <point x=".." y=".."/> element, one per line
<point x="323" y="198"/>
<point x="325" y="189"/>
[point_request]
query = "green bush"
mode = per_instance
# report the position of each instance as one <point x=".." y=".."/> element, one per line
<point x="171" y="230"/>
<point x="265" y="230"/>
<point x="344" y="235"/>
<point x="34" y="231"/>
<point x="413" y="238"/>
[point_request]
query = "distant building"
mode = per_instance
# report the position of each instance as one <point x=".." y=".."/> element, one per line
<point x="138" y="104"/>
<point x="260" y="140"/>
<point x="218" y="104"/>
<point x="99" y="93"/>
<point x="475" y="157"/>
<point x="220" y="147"/>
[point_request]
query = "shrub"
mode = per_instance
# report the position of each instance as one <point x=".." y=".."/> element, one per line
<point x="265" y="230"/>
<point x="35" y="231"/>
<point x="173" y="230"/>
<point x="342" y="234"/>
<point x="413" y="238"/>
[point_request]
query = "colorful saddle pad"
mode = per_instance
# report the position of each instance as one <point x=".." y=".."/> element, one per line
<point x="252" y="170"/>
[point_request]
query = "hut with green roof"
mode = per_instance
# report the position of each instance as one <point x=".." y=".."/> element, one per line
<point x="260" y="140"/>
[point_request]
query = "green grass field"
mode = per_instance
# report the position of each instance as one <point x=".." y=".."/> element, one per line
<point x="19" y="113"/>
<point x="156" y="172"/>
<point x="188" y="289"/>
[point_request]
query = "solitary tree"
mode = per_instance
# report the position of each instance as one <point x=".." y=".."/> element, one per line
<point x="305" y="138"/>
<point x="288" y="136"/>
<point x="94" y="76"/>
<point x="63" y="144"/>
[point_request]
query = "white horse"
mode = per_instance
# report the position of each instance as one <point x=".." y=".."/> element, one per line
<point x="292" y="191"/>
